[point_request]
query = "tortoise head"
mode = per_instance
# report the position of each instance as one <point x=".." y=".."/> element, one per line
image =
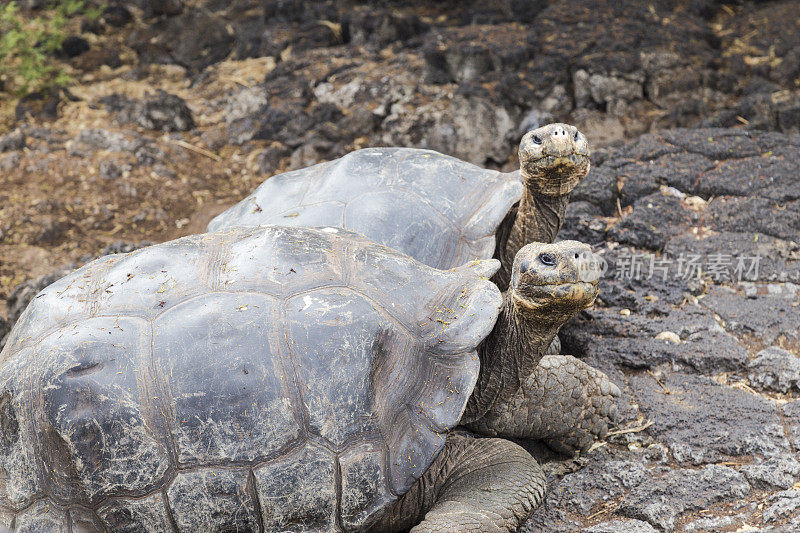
<point x="553" y="159"/>
<point x="555" y="281"/>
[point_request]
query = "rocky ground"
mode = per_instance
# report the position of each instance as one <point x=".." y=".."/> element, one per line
<point x="181" y="108"/>
<point x="699" y="325"/>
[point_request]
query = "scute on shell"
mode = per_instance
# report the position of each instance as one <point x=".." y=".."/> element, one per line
<point x="438" y="209"/>
<point x="200" y="369"/>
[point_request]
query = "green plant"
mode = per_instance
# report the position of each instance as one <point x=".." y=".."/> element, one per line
<point x="27" y="45"/>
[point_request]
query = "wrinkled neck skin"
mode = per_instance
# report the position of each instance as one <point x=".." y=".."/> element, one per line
<point x="508" y="356"/>
<point x="538" y="219"/>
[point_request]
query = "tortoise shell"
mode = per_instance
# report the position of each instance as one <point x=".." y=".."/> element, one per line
<point x="263" y="378"/>
<point x="438" y="209"/>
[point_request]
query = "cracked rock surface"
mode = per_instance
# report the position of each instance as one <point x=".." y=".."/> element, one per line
<point x="704" y="347"/>
<point x="180" y="109"/>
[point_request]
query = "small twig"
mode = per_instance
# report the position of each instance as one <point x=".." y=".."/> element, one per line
<point x="730" y="463"/>
<point x="745" y="387"/>
<point x="630" y="430"/>
<point x="607" y="507"/>
<point x="664" y="387"/>
<point x="596" y="445"/>
<point x="197" y="149"/>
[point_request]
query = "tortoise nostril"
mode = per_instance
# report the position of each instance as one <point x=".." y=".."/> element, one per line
<point x="577" y="135"/>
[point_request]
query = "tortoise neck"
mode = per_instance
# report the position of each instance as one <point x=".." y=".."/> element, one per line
<point x="538" y="219"/>
<point x="509" y="355"/>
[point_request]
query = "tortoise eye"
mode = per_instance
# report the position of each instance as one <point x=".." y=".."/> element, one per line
<point x="547" y="259"/>
<point x="536" y="139"/>
<point x="577" y="134"/>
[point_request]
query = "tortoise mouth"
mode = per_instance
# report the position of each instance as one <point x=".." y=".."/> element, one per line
<point x="556" y="174"/>
<point x="569" y="293"/>
<point x="546" y="160"/>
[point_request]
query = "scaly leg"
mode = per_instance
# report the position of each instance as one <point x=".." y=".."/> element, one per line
<point x="564" y="401"/>
<point x="567" y="403"/>
<point x="474" y="485"/>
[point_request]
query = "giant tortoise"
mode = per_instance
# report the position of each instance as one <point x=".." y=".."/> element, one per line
<point x="436" y="208"/>
<point x="290" y="379"/>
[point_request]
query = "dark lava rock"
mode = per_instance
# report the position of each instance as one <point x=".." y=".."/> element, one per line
<point x="73" y="46"/>
<point x="791" y="416"/>
<point x="723" y="144"/>
<point x="166" y="7"/>
<point x="270" y="123"/>
<point x="195" y="40"/>
<point x="621" y="526"/>
<point x="51" y="232"/>
<point x="775" y="23"/>
<point x="702" y="421"/>
<point x="309" y="35"/>
<point x="581" y="223"/>
<point x="39" y="106"/>
<point x="269" y="159"/>
<point x="783" y="505"/>
<point x="32" y="4"/>
<point x="751" y="176"/>
<point x="773" y="474"/>
<point x="768" y="317"/>
<point x="775" y="369"/>
<point x="292" y="126"/>
<point x="299" y="10"/>
<point x="748" y="257"/>
<point x="468" y="54"/>
<point x="160" y="111"/>
<point x="5" y="327"/>
<point x="655" y="218"/>
<point x="97" y="57"/>
<point x="381" y="27"/>
<point x="14" y="140"/>
<point x="110" y="170"/>
<point x="679" y="170"/>
<point x="116" y="16"/>
<point x="604" y="478"/>
<point x="603" y="334"/>
<point x="768" y="175"/>
<point x="756" y="214"/>
<point x="661" y="501"/>
<point x="10" y="161"/>
<point x="599" y="188"/>
<point x="761" y="111"/>
<point x="97" y="139"/>
<point x="143" y="149"/>
<point x="152" y="8"/>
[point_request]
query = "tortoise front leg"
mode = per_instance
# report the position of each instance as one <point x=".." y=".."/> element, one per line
<point x="474" y="485"/>
<point x="564" y="401"/>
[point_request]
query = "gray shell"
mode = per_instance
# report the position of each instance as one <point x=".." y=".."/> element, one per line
<point x="437" y="209"/>
<point x="269" y="378"/>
